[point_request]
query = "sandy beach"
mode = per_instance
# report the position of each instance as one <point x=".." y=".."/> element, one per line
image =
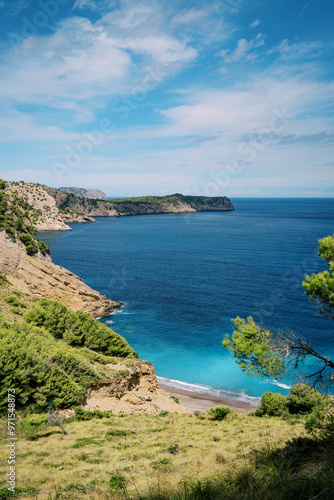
<point x="201" y="402"/>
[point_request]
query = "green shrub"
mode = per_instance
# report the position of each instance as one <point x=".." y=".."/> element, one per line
<point x="174" y="448"/>
<point x="14" y="301"/>
<point x="82" y="414"/>
<point x="219" y="412"/>
<point x="78" y="329"/>
<point x="303" y="399"/>
<point x="117" y="482"/>
<point x="164" y="413"/>
<point x="3" y="279"/>
<point x="31" y="249"/>
<point x="16" y="310"/>
<point x="32" y="424"/>
<point x="321" y="420"/>
<point x="175" y="399"/>
<point x="272" y="404"/>
<point x="119" y="432"/>
<point x="43" y="247"/>
<point x="42" y="370"/>
<point x="81" y="442"/>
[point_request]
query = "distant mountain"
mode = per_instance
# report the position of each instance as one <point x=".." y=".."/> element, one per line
<point x="95" y="194"/>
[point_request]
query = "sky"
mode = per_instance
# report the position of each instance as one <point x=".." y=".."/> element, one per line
<point x="218" y="98"/>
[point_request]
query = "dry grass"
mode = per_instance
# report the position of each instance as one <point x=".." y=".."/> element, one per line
<point x="52" y="463"/>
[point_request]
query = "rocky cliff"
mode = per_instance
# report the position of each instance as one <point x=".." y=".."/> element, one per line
<point x="42" y="208"/>
<point x="26" y="261"/>
<point x="134" y="389"/>
<point x="38" y="276"/>
<point x="95" y="194"/>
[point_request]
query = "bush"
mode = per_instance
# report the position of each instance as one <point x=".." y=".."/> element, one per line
<point x="43" y="247"/>
<point x="303" y="399"/>
<point x="321" y="420"/>
<point x="219" y="412"/>
<point x="14" y="301"/>
<point x="82" y="414"/>
<point x="32" y="424"/>
<point x="174" y="448"/>
<point x="119" y="432"/>
<point x="78" y="329"/>
<point x="46" y="371"/>
<point x="272" y="404"/>
<point x="81" y="442"/>
<point x="3" y="279"/>
<point x="117" y="482"/>
<point x="31" y="249"/>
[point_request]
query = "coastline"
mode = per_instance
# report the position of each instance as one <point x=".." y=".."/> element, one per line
<point x="196" y="401"/>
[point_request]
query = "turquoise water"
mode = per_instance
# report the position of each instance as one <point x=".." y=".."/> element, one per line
<point x="182" y="277"/>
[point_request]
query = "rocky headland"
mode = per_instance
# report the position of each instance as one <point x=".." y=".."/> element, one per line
<point x="53" y="209"/>
<point x="74" y="208"/>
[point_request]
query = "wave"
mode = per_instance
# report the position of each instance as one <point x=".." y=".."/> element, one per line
<point x="284" y="386"/>
<point x="121" y="310"/>
<point x="209" y="391"/>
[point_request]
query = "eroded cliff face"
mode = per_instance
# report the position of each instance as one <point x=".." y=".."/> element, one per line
<point x="134" y="390"/>
<point x="40" y="277"/>
<point x="44" y="211"/>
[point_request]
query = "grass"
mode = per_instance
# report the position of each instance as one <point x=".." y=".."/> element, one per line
<point x="150" y="452"/>
<point x="14" y="303"/>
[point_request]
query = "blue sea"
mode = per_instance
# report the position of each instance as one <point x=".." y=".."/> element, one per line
<point x="182" y="277"/>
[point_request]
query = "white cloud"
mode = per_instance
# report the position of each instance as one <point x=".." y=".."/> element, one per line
<point x="301" y="50"/>
<point x="98" y="5"/>
<point x="76" y="63"/>
<point x="17" y="6"/>
<point x="244" y="50"/>
<point x="190" y="16"/>
<point x="82" y="63"/>
<point x="162" y="49"/>
<point x="255" y="23"/>
<point x="16" y="127"/>
<point x="85" y="4"/>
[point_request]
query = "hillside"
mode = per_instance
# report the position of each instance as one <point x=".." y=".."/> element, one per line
<point x="26" y="261"/>
<point x="90" y="418"/>
<point x="65" y="358"/>
<point x="85" y="193"/>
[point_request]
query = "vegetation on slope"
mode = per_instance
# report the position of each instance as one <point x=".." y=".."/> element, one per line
<point x="16" y="221"/>
<point x="77" y="328"/>
<point x="49" y="357"/>
<point x="176" y="457"/>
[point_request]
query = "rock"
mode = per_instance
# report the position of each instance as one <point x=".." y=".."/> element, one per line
<point x="95" y="194"/>
<point x="135" y="390"/>
<point x="40" y="277"/>
<point x="45" y="210"/>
